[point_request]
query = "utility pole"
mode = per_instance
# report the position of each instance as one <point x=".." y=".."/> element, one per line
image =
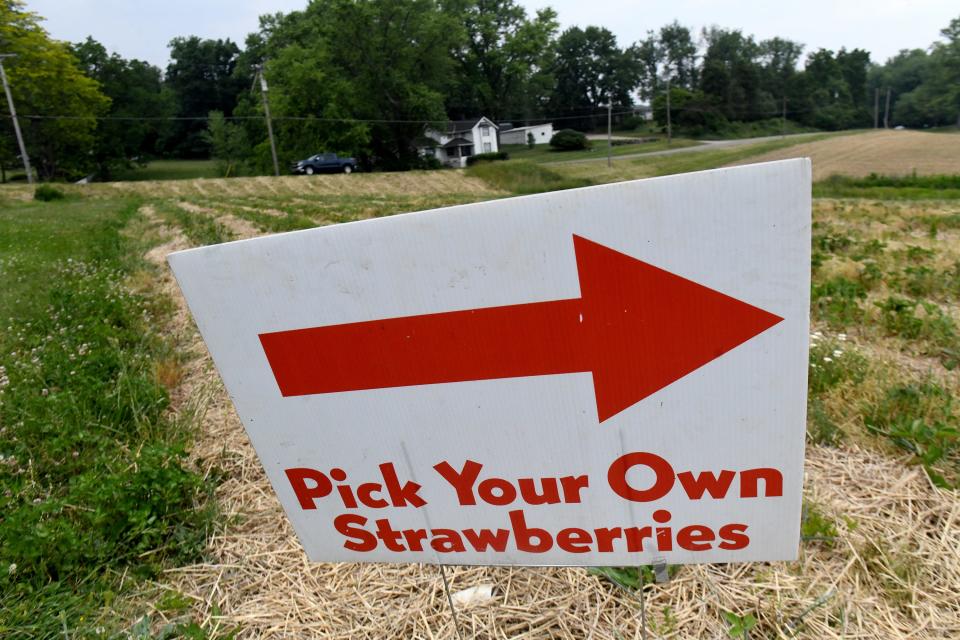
<point x="876" y="108"/>
<point x="266" y="112"/>
<point x="609" y="136"/>
<point x="783" y="119"/>
<point x="669" y="122"/>
<point x="13" y="116"/>
<point x="886" y="112"/>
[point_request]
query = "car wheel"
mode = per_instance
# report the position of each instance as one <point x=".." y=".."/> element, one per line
<point x="347" y="168"/>
<point x="308" y="171"/>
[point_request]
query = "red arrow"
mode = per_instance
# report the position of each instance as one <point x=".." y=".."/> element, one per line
<point x="637" y="328"/>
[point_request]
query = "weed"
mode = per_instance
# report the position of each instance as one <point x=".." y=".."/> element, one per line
<point x="920" y="320"/>
<point x="816" y="527"/>
<point x="837" y="301"/>
<point x="833" y="362"/>
<point x="821" y="427"/>
<point x="631" y="578"/>
<point x="47" y="193"/>
<point x="919" y="418"/>
<point x="740" y="626"/>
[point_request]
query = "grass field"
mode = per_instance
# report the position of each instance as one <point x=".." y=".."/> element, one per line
<point x="171" y="170"/>
<point x="115" y="431"/>
<point x="889" y="153"/>
<point x="544" y="153"/>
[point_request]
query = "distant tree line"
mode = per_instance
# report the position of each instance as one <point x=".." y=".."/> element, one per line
<point x="362" y="78"/>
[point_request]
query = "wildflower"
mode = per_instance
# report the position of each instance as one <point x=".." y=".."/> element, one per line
<point x="45" y="392"/>
<point x="12" y="569"/>
<point x="827" y="359"/>
<point x="837" y="353"/>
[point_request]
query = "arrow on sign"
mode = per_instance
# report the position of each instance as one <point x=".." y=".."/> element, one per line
<point x="635" y="327"/>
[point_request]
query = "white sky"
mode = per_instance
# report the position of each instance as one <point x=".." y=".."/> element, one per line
<point x="142" y="28"/>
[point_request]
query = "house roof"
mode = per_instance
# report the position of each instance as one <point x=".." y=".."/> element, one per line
<point x="456" y="126"/>
<point x="458" y="142"/>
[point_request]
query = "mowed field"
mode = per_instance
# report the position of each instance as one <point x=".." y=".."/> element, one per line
<point x="887" y="153"/>
<point x="878" y="557"/>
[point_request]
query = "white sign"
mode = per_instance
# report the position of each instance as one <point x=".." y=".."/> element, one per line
<point x="601" y="376"/>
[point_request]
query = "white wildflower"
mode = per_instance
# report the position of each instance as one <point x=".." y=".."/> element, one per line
<point x="827" y="359"/>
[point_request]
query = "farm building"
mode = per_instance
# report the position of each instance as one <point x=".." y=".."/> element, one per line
<point x="519" y="135"/>
<point x="459" y="140"/>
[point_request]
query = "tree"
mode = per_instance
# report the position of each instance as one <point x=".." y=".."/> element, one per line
<point x="364" y="76"/>
<point x="679" y="55"/>
<point x="503" y="60"/>
<point x="46" y="81"/>
<point x="138" y="107"/>
<point x="228" y="143"/>
<point x="201" y="78"/>
<point x="731" y="75"/>
<point x="591" y="71"/>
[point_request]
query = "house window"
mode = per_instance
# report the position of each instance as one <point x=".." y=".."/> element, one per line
<point x="485" y="130"/>
<point x="487" y="147"/>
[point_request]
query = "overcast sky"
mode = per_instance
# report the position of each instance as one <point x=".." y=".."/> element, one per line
<point x="142" y="28"/>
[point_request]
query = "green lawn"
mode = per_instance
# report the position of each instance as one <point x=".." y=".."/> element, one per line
<point x="545" y="153"/>
<point x="171" y="170"/>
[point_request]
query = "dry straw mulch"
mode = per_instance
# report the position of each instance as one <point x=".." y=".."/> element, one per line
<point x="893" y="571"/>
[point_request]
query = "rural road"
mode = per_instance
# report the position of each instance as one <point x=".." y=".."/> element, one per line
<point x="704" y="146"/>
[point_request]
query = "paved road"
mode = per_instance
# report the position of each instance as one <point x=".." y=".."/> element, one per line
<point x="706" y="145"/>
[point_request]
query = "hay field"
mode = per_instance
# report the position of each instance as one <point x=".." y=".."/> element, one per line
<point x="881" y="152"/>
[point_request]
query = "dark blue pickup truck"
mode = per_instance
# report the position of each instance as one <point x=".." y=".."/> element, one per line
<point x="325" y="163"/>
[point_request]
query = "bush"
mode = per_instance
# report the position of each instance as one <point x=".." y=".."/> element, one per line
<point x="569" y="140"/>
<point x="46" y="193"/>
<point x="488" y="157"/>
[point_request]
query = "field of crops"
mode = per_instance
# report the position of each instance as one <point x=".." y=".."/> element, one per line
<point x="880" y="536"/>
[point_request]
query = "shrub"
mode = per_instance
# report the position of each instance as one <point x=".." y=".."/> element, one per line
<point x="569" y="140"/>
<point x="46" y="193"/>
<point x="488" y="157"/>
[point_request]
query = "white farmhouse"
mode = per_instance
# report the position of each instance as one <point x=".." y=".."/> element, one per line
<point x="521" y="135"/>
<point x="459" y="140"/>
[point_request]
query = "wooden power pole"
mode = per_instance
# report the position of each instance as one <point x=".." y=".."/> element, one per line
<point x="669" y="121"/>
<point x="783" y="119"/>
<point x="876" y="108"/>
<point x="886" y="112"/>
<point x="266" y="113"/>
<point x="609" y="136"/>
<point x="13" y="116"/>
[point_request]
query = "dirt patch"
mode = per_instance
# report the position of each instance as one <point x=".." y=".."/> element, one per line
<point x="882" y="152"/>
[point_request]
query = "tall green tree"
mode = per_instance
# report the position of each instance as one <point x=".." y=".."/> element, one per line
<point x="679" y="55"/>
<point x="201" y="76"/>
<point x="591" y="71"/>
<point x="140" y="107"/>
<point x="503" y="59"/>
<point x="363" y="76"/>
<point x="46" y="81"/>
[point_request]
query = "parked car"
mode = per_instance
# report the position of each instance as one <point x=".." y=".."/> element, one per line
<point x="325" y="163"/>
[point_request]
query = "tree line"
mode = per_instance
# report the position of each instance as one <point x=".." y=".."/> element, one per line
<point x="362" y="78"/>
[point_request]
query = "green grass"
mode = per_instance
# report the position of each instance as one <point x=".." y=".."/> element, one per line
<point x="523" y="177"/>
<point x="890" y="187"/>
<point x="171" y="170"/>
<point x="94" y="487"/>
<point x="546" y="154"/>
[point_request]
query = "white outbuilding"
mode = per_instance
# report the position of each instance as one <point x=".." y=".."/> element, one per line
<point x="521" y="135"/>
